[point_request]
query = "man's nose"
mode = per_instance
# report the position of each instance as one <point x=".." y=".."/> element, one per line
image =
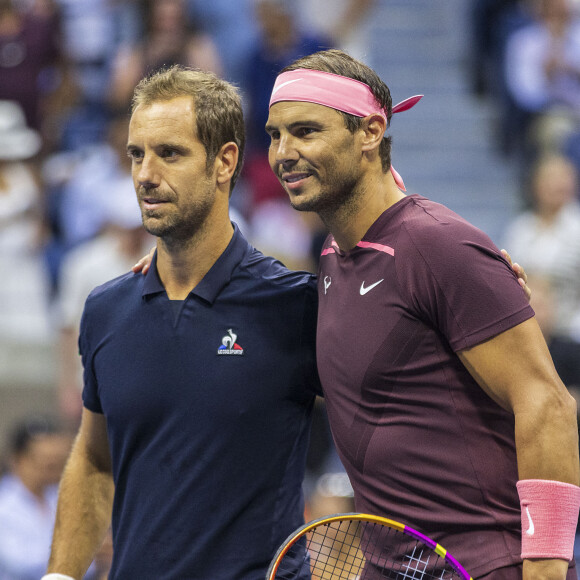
<point x="147" y="172"/>
<point x="285" y="150"/>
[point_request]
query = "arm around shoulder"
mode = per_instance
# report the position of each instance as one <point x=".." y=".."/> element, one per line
<point x="85" y="500"/>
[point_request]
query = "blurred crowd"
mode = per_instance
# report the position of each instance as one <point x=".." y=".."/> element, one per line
<point x="69" y="219"/>
<point x="526" y="63"/>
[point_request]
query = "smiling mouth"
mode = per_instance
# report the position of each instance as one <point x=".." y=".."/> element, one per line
<point x="295" y="177"/>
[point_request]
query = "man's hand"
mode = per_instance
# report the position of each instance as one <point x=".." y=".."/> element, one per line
<point x="545" y="569"/>
<point x="143" y="264"/>
<point x="520" y="273"/>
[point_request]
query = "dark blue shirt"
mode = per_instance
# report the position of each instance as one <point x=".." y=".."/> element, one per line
<point x="208" y="414"/>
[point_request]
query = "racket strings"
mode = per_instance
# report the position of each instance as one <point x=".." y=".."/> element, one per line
<point x="355" y="550"/>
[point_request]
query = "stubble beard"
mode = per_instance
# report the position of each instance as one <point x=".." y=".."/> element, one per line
<point x="179" y="226"/>
<point x="338" y="196"/>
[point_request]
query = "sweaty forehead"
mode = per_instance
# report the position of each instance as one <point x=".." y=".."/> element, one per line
<point x="290" y="112"/>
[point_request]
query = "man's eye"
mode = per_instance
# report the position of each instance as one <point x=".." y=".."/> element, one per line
<point x="134" y="155"/>
<point x="303" y="131"/>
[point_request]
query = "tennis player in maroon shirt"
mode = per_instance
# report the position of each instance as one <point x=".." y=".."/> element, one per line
<point x="443" y="400"/>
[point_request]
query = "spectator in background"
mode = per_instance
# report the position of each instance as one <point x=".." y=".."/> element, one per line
<point x="19" y="188"/>
<point x="281" y="40"/>
<point x="82" y="185"/>
<point x="492" y="22"/>
<point x="542" y="74"/>
<point x="92" y="33"/>
<point x="23" y="292"/>
<point x="38" y="448"/>
<point x="170" y="37"/>
<point x="30" y="55"/>
<point x="489" y="22"/>
<point x="344" y="22"/>
<point x="276" y="228"/>
<point x="546" y="239"/>
<point x="233" y="29"/>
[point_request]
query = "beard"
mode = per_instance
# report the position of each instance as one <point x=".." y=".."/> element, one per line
<point x="339" y="193"/>
<point x="175" y="223"/>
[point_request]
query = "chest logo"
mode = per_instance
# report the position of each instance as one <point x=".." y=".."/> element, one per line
<point x="229" y="344"/>
<point x="364" y="290"/>
<point x="327" y="283"/>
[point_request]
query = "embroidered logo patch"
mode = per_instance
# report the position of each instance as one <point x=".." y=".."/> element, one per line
<point x="327" y="283"/>
<point x="229" y="344"/>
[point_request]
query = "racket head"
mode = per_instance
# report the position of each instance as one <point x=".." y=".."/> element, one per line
<point x="355" y="546"/>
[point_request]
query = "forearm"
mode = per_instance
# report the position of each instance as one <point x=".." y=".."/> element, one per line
<point x="547" y="449"/>
<point x="547" y="439"/>
<point x="516" y="370"/>
<point x="83" y="516"/>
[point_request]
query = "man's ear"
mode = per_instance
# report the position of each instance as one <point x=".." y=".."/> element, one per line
<point x="226" y="162"/>
<point x="373" y="127"/>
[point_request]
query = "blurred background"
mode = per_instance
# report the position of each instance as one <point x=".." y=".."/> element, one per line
<point x="496" y="138"/>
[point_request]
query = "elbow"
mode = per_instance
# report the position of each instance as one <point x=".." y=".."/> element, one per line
<point x="553" y="406"/>
<point x="561" y="408"/>
<point x="563" y="404"/>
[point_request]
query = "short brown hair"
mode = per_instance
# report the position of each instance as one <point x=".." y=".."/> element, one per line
<point x="218" y="106"/>
<point x="340" y="63"/>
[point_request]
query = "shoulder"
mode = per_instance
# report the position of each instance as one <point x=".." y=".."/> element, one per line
<point x="270" y="271"/>
<point x="115" y="292"/>
<point x="437" y="250"/>
<point x="435" y="231"/>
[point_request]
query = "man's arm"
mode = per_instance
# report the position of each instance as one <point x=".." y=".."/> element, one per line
<point x="516" y="370"/>
<point x="85" y="500"/>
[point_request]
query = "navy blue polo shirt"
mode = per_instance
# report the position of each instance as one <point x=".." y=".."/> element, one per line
<point x="208" y="414"/>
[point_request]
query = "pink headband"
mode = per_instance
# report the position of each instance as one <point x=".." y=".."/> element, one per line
<point x="337" y="92"/>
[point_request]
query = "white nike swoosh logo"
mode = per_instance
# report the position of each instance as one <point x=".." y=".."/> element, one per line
<point x="276" y="89"/>
<point x="530" y="531"/>
<point x="364" y="290"/>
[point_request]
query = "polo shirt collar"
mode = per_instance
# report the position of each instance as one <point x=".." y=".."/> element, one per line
<point x="215" y="280"/>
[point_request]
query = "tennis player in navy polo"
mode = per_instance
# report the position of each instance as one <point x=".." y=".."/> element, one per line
<point x="199" y="377"/>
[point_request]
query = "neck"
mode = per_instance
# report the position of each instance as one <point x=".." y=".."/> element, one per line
<point x="182" y="265"/>
<point x="350" y="221"/>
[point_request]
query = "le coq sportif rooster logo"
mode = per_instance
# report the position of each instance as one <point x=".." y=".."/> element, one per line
<point x="229" y="344"/>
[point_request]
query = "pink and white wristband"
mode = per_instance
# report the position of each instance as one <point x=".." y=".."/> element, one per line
<point x="549" y="518"/>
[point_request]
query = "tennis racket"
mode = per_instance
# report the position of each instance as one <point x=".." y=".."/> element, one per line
<point x="362" y="547"/>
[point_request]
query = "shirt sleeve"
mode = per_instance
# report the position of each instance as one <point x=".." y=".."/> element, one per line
<point x="91" y="398"/>
<point x="456" y="280"/>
